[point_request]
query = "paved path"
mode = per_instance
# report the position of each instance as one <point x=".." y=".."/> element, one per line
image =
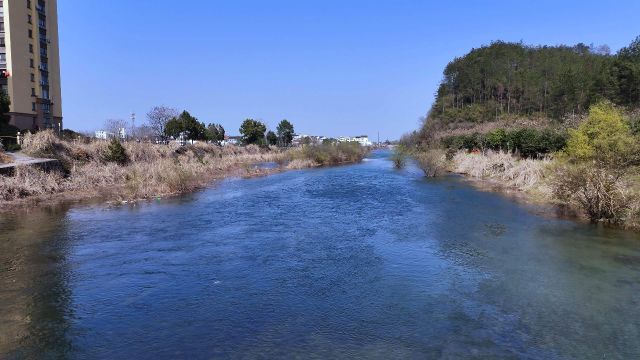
<point x="22" y="159"/>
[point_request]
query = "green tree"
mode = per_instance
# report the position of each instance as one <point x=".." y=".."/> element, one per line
<point x="5" y="128"/>
<point x="600" y="154"/>
<point x="116" y="153"/>
<point x="187" y="124"/>
<point x="252" y="132"/>
<point x="605" y="137"/>
<point x="631" y="52"/>
<point x="272" y="138"/>
<point x="285" y="132"/>
<point x="215" y="133"/>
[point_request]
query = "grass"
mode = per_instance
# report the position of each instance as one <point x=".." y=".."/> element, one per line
<point x="4" y="158"/>
<point x="327" y="155"/>
<point x="538" y="180"/>
<point x="515" y="172"/>
<point x="151" y="170"/>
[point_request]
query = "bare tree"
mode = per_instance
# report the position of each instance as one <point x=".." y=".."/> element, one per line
<point x="115" y="126"/>
<point x="158" y="117"/>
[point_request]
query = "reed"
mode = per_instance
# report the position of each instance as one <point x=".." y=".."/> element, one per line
<point x="151" y="170"/>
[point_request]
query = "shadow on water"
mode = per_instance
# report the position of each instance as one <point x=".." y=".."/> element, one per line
<point x="35" y="298"/>
<point x="354" y="261"/>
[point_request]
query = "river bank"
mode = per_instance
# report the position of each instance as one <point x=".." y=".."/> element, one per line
<point x="148" y="171"/>
<point x="533" y="181"/>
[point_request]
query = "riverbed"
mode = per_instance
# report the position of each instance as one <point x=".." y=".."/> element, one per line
<point x="358" y="261"/>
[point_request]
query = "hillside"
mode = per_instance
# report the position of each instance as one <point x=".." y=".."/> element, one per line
<point x="512" y="80"/>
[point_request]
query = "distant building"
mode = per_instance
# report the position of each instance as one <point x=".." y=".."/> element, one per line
<point x="105" y="135"/>
<point x="302" y="139"/>
<point x="102" y="135"/>
<point x="361" y="139"/>
<point x="231" y="140"/>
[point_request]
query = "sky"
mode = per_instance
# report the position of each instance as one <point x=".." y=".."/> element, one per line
<point x="331" y="67"/>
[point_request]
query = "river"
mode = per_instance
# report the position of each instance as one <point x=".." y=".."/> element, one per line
<point x="359" y="261"/>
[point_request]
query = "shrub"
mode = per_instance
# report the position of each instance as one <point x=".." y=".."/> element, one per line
<point x="600" y="192"/>
<point x="399" y="159"/>
<point x="599" y="156"/>
<point x="527" y="142"/>
<point x="497" y="139"/>
<point x="13" y="147"/>
<point x="116" y="153"/>
<point x="605" y="137"/>
<point x="432" y="162"/>
<point x="399" y="156"/>
<point x="333" y="154"/>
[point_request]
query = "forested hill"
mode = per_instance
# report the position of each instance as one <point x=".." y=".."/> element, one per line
<point x="551" y="81"/>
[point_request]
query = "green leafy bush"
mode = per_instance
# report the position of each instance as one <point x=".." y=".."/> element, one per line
<point x="596" y="174"/>
<point x="528" y="142"/>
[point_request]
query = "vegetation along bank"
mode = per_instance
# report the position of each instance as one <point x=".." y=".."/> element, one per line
<point x="123" y="171"/>
<point x="561" y="124"/>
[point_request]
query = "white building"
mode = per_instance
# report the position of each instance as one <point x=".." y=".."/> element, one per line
<point x="105" y="135"/>
<point x="362" y="140"/>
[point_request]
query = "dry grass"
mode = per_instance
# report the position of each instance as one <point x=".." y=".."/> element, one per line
<point x="297" y="164"/>
<point x="521" y="174"/>
<point x="327" y="154"/>
<point x="603" y="194"/>
<point x="153" y="170"/>
<point x="433" y="162"/>
<point x="4" y="158"/>
<point x="28" y="181"/>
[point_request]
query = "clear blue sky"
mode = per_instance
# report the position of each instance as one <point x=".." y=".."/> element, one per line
<point x="330" y="67"/>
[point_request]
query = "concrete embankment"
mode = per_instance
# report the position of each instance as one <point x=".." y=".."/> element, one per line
<point x="20" y="159"/>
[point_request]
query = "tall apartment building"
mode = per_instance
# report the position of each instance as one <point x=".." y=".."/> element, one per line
<point x="30" y="63"/>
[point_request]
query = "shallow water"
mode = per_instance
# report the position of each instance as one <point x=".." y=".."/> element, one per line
<point x="357" y="261"/>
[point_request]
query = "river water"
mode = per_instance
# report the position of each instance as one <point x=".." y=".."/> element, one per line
<point x="359" y="261"/>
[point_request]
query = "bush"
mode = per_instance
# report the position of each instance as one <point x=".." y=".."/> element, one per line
<point x="600" y="155"/>
<point x="333" y="154"/>
<point x="432" y="162"/>
<point x="528" y="142"/>
<point x="605" y="137"/>
<point x="13" y="147"/>
<point x="116" y="153"/>
<point x="601" y="193"/>
<point x="399" y="157"/>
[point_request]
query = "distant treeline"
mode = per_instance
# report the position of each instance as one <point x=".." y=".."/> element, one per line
<point x="549" y="81"/>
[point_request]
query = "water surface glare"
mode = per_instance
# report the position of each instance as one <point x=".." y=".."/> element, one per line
<point x="359" y="261"/>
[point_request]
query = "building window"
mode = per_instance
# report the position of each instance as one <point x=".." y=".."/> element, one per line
<point x="29" y="19"/>
<point x="31" y="48"/>
<point x="31" y="63"/>
<point x="33" y="106"/>
<point x="30" y="34"/>
<point x="29" y="4"/>
<point x="33" y="91"/>
<point x="33" y="77"/>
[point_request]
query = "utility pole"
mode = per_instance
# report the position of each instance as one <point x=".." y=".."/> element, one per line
<point x="133" y="124"/>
